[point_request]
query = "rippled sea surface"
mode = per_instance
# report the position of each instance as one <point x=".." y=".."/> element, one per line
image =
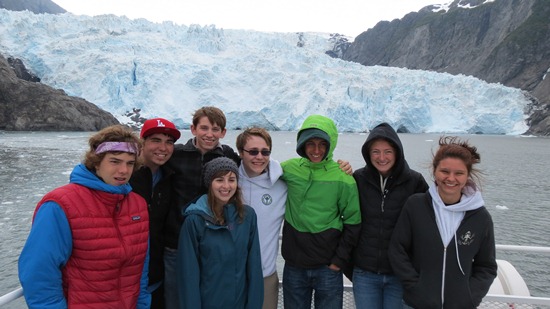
<point x="516" y="187"/>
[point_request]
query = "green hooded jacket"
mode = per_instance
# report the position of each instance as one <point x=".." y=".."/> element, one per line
<point x="322" y="218"/>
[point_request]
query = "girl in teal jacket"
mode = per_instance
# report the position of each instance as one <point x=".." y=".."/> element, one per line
<point x="219" y="264"/>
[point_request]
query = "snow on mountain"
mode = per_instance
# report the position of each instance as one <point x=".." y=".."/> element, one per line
<point x="267" y="79"/>
<point x="467" y="5"/>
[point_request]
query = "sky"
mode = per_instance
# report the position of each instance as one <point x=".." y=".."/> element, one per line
<point x="348" y="17"/>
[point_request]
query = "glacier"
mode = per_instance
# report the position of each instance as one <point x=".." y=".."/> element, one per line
<point x="273" y="79"/>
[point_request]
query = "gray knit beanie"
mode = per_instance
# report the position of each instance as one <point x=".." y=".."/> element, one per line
<point x="216" y="165"/>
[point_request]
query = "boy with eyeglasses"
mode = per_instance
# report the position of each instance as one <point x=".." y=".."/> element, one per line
<point x="264" y="190"/>
<point x="260" y="180"/>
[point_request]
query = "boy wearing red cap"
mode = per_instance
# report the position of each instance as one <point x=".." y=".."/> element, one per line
<point x="154" y="183"/>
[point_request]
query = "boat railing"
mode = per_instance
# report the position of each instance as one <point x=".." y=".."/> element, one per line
<point x="489" y="302"/>
<point x="535" y="249"/>
<point x="11" y="296"/>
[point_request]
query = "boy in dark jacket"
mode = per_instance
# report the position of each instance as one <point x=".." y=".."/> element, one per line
<point x="187" y="163"/>
<point x="153" y="181"/>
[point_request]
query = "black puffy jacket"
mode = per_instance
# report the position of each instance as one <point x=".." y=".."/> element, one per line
<point x="381" y="209"/>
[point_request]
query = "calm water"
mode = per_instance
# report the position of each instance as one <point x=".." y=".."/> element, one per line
<point x="516" y="187"/>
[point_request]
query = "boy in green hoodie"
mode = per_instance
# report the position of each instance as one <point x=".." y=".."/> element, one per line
<point x="322" y="219"/>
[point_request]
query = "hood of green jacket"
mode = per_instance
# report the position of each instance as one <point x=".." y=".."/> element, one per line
<point x="324" y="124"/>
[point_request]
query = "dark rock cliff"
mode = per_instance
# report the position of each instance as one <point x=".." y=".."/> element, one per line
<point x="32" y="106"/>
<point x="35" y="6"/>
<point x="505" y="41"/>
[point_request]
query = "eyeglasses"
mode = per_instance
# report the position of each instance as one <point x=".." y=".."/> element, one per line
<point x="255" y="152"/>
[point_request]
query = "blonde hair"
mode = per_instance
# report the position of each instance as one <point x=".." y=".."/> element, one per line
<point x="252" y="131"/>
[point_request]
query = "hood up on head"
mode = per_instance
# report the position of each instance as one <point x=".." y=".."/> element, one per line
<point x="320" y="127"/>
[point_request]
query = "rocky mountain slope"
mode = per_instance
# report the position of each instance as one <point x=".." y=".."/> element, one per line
<point x="503" y="41"/>
<point x="31" y="106"/>
<point x="35" y="6"/>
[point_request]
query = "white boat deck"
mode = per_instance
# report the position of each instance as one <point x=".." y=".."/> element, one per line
<point x="508" y="291"/>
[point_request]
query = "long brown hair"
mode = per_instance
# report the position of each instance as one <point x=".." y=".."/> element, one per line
<point x="236" y="199"/>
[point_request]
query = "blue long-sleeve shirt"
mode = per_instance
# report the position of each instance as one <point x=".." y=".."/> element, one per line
<point x="47" y="250"/>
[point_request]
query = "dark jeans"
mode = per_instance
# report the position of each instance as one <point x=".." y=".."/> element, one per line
<point x="299" y="284"/>
<point x="376" y="291"/>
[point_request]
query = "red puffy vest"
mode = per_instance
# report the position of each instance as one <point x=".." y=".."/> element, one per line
<point x="110" y="239"/>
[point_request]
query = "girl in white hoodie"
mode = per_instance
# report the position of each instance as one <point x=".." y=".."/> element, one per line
<point x="443" y="246"/>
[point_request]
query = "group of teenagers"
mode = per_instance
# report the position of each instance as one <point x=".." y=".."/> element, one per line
<point x="146" y="222"/>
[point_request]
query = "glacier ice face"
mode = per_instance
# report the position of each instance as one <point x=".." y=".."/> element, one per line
<point x="169" y="70"/>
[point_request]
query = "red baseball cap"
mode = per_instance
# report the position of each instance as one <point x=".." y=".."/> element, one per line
<point x="159" y="125"/>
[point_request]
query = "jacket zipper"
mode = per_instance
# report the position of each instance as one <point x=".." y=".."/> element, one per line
<point x="443" y="276"/>
<point x="383" y="199"/>
<point x="384" y="193"/>
<point x="117" y="213"/>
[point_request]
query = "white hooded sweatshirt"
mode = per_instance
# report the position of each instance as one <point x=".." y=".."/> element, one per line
<point x="266" y="193"/>
<point x="448" y="217"/>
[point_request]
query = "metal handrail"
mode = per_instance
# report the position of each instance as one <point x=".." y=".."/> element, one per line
<point x="11" y="296"/>
<point x="531" y="300"/>
<point x="523" y="248"/>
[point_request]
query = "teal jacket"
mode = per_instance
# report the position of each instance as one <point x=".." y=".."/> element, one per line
<point x="322" y="218"/>
<point x="219" y="266"/>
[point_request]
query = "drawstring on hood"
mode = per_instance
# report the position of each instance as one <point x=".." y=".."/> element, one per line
<point x="265" y="180"/>
<point x="449" y="217"/>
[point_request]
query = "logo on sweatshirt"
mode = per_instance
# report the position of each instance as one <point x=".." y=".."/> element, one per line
<point x="467" y="238"/>
<point x="267" y="199"/>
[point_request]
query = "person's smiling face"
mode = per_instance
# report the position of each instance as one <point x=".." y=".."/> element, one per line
<point x="316" y="149"/>
<point x="451" y="175"/>
<point x="382" y="156"/>
<point x="254" y="165"/>
<point x="223" y="188"/>
<point x="207" y="134"/>
<point x="157" y="149"/>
